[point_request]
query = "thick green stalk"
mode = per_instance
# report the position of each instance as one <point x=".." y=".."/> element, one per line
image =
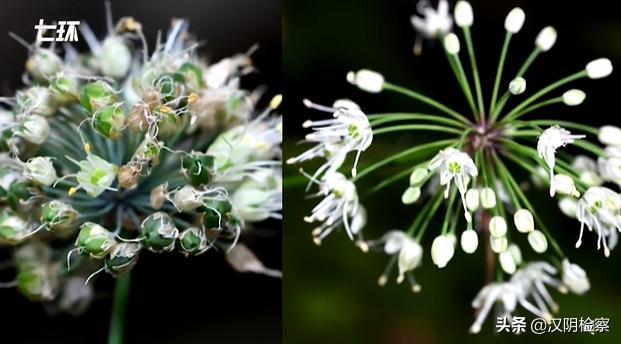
<point x="119" y="309"/>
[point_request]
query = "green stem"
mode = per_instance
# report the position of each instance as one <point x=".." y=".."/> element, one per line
<point x="460" y="75"/>
<point x="501" y="64"/>
<point x="426" y="100"/>
<point x="475" y="70"/>
<point x="426" y="127"/>
<point x="566" y="124"/>
<point x="377" y="119"/>
<point x="119" y="309"/>
<point x="539" y="105"/>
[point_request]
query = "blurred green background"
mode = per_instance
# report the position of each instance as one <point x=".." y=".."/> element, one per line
<point x="330" y="292"/>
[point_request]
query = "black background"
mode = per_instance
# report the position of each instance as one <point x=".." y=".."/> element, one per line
<point x="173" y="299"/>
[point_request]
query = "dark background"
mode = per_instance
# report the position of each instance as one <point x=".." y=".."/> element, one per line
<point x="331" y="295"/>
<point x="228" y="307"/>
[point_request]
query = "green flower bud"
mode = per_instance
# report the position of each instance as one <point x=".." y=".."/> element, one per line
<point x="19" y="194"/>
<point x="193" y="76"/>
<point x="13" y="228"/>
<point x="97" y="95"/>
<point x="38" y="282"/>
<point x="193" y="241"/>
<point x="218" y="214"/>
<point x="159" y="232"/>
<point x="34" y="129"/>
<point x="38" y="101"/>
<point x="58" y="216"/>
<point x="109" y="121"/>
<point x="198" y="168"/>
<point x="43" y="64"/>
<point x="64" y="89"/>
<point x="122" y="258"/>
<point x="94" y="240"/>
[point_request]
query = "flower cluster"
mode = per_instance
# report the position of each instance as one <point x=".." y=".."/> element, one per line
<point x="476" y="156"/>
<point x="106" y="154"/>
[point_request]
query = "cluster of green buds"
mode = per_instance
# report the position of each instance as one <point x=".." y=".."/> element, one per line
<point x="109" y="153"/>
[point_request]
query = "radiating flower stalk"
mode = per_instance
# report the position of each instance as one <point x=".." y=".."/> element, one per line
<point x="126" y="149"/>
<point x="468" y="178"/>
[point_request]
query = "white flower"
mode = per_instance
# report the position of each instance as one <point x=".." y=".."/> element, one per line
<point x="463" y="14"/>
<point x="531" y="281"/>
<point x="504" y="294"/>
<point x="575" y="278"/>
<point x="410" y="255"/>
<point x="348" y="131"/>
<point x="40" y="170"/>
<point x="524" y="221"/>
<point x="610" y="169"/>
<point x="515" y="20"/>
<point x="367" y="80"/>
<point x="458" y="166"/>
<point x="610" y="135"/>
<point x="517" y="86"/>
<point x="339" y="206"/>
<point x="599" y="68"/>
<point x="599" y="209"/>
<point x="574" y="97"/>
<point x="546" y="38"/>
<point x="549" y="141"/>
<point x="442" y="250"/>
<point x="451" y="44"/>
<point x="95" y="175"/>
<point x="433" y="23"/>
<point x="35" y="129"/>
<point x="260" y="197"/>
<point x="469" y="241"/>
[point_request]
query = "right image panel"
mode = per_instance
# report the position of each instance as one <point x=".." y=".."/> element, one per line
<point x="453" y="171"/>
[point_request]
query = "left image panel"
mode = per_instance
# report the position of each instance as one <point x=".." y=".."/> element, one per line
<point x="140" y="171"/>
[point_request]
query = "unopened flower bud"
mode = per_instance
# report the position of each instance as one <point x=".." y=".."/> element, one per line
<point x="411" y="195"/>
<point x="524" y="221"/>
<point x="13" y="228"/>
<point x="40" y="170"/>
<point x="442" y="250"/>
<point x="463" y="14"/>
<point x="43" y="64"/>
<point x="199" y="168"/>
<point x="35" y="129"/>
<point x="564" y="185"/>
<point x="58" y="216"/>
<point x="573" y="97"/>
<point x="418" y="176"/>
<point x="410" y="256"/>
<point x="451" y="44"/>
<point x="538" y="241"/>
<point x="469" y="241"/>
<point x="159" y="232"/>
<point x="187" y="198"/>
<point x="38" y="101"/>
<point x="472" y="199"/>
<point x="109" y="121"/>
<point x="515" y="253"/>
<point x="610" y="135"/>
<point x="115" y="58"/>
<point x="97" y="95"/>
<point x="366" y="80"/>
<point x="217" y="214"/>
<point x="568" y="206"/>
<point x="64" y="89"/>
<point x="506" y="262"/>
<point x="497" y="226"/>
<point x="488" y="198"/>
<point x="94" y="240"/>
<point x="122" y="258"/>
<point x="517" y="86"/>
<point x="499" y="244"/>
<point x="193" y="241"/>
<point x="38" y="282"/>
<point x="575" y="278"/>
<point x="599" y="68"/>
<point x="546" y="38"/>
<point x="515" y="20"/>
